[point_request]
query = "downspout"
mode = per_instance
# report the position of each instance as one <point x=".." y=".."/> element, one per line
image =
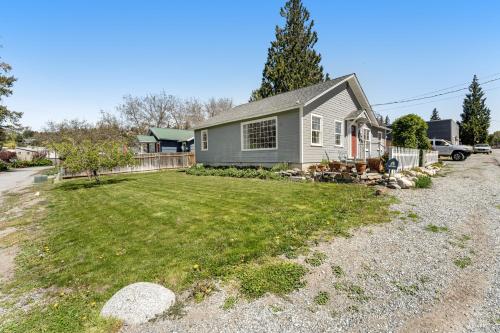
<point x="301" y="126"/>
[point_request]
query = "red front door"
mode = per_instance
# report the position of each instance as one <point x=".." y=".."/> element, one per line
<point x="354" y="142"/>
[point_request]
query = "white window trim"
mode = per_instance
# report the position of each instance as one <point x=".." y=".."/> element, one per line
<point x="201" y="139"/>
<point x="257" y="121"/>
<point x="341" y="133"/>
<point x="320" y="144"/>
<point x="369" y="141"/>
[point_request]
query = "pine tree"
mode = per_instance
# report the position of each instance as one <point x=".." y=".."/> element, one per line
<point x="387" y="121"/>
<point x="435" y="115"/>
<point x="475" y="116"/>
<point x="292" y="63"/>
<point x="8" y="118"/>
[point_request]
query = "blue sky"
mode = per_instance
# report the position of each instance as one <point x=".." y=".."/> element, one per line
<point x="75" y="58"/>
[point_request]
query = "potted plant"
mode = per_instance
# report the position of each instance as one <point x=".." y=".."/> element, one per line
<point x="360" y="167"/>
<point x="375" y="164"/>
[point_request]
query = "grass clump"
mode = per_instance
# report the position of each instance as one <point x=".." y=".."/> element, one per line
<point x="434" y="228"/>
<point x="278" y="278"/>
<point x="413" y="216"/>
<point x="353" y="291"/>
<point x="229" y="302"/>
<point x="322" y="298"/>
<point x="337" y="271"/>
<point x="316" y="259"/>
<point x="463" y="262"/>
<point x="423" y="182"/>
<point x="407" y="289"/>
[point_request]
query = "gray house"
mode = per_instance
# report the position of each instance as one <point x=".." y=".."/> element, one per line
<point x="446" y="129"/>
<point x="300" y="127"/>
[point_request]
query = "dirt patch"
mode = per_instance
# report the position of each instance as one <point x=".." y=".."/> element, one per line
<point x="7" y="262"/>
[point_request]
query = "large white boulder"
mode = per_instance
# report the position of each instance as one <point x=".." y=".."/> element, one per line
<point x="138" y="303"/>
<point x="405" y="183"/>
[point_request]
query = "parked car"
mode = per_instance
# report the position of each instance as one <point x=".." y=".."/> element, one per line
<point x="482" y="148"/>
<point x="445" y="148"/>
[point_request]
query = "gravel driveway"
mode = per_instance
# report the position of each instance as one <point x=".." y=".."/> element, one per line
<point x="16" y="179"/>
<point x="402" y="276"/>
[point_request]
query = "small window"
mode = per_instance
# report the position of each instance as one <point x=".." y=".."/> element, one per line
<point x="204" y="140"/>
<point x="366" y="134"/>
<point x="380" y="137"/>
<point x="316" y="130"/>
<point x="338" y="133"/>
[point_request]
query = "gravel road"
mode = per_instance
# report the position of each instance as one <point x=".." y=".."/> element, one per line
<point x="16" y="179"/>
<point x="402" y="276"/>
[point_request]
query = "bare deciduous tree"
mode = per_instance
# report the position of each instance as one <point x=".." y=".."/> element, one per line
<point x="215" y="106"/>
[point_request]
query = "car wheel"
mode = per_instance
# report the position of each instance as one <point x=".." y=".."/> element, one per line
<point x="458" y="156"/>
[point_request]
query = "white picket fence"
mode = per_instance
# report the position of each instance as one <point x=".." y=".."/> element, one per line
<point x="408" y="157"/>
<point x="430" y="157"/>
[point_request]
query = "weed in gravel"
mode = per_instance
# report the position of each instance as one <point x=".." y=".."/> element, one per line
<point x="202" y="289"/>
<point x="229" y="302"/>
<point x="424" y="279"/>
<point x="463" y="262"/>
<point x="353" y="291"/>
<point x="413" y="216"/>
<point x="278" y="278"/>
<point x="406" y="289"/>
<point x="352" y="308"/>
<point x="423" y="182"/>
<point x="434" y="228"/>
<point x="322" y="298"/>
<point x="337" y="271"/>
<point x="316" y="259"/>
<point x="275" y="308"/>
<point x="176" y="311"/>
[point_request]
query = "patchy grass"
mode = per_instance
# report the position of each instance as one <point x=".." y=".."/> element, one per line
<point x="278" y="278"/>
<point x="423" y="182"/>
<point x="229" y="302"/>
<point x="316" y="259"/>
<point x="463" y="262"/>
<point x="337" y="271"/>
<point x="353" y="291"/>
<point x="176" y="311"/>
<point x="413" y="216"/>
<point x="410" y="289"/>
<point x="435" y="228"/>
<point x="322" y="298"/>
<point x="176" y="230"/>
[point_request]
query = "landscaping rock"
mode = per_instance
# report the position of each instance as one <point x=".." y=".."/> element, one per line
<point x="394" y="186"/>
<point x="138" y="303"/>
<point x="381" y="190"/>
<point x="297" y="178"/>
<point x="404" y="182"/>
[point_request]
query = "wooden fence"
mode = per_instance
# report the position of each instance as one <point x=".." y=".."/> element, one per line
<point x="430" y="157"/>
<point x="408" y="158"/>
<point x="147" y="162"/>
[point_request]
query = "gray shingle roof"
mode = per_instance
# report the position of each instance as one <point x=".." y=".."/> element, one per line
<point x="272" y="104"/>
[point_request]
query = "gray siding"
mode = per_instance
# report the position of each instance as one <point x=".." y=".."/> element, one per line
<point x="335" y="105"/>
<point x="224" y="144"/>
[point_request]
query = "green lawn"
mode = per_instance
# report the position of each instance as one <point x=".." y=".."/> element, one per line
<point x="173" y="229"/>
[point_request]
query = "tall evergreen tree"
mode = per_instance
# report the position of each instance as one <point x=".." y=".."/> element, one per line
<point x="435" y="115"/>
<point x="387" y="121"/>
<point x="475" y="116"/>
<point x="8" y="118"/>
<point x="292" y="63"/>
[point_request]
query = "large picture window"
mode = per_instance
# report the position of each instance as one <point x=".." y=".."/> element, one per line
<point x="338" y="133"/>
<point x="316" y="130"/>
<point x="259" y="134"/>
<point x="204" y="140"/>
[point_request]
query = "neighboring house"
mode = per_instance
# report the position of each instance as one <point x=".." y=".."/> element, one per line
<point x="300" y="127"/>
<point x="166" y="140"/>
<point x="28" y="153"/>
<point x="446" y="129"/>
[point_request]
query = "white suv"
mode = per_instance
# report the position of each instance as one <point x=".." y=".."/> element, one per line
<point x="445" y="148"/>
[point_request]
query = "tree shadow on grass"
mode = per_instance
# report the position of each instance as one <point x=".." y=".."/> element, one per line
<point x="77" y="185"/>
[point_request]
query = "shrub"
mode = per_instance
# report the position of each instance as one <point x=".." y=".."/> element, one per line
<point x="3" y="166"/>
<point x="7" y="156"/>
<point x="280" y="167"/>
<point x="200" y="170"/>
<point x="28" y="164"/>
<point x="423" y="182"/>
<point x="278" y="278"/>
<point x="410" y="131"/>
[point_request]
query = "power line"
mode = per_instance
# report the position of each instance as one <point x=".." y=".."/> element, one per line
<point x="432" y="96"/>
<point x="438" y="100"/>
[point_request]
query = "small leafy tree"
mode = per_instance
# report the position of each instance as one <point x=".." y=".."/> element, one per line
<point x="93" y="157"/>
<point x="410" y="131"/>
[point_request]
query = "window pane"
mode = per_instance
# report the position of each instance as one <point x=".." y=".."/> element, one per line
<point x="260" y="135"/>
<point x="338" y="127"/>
<point x="316" y="123"/>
